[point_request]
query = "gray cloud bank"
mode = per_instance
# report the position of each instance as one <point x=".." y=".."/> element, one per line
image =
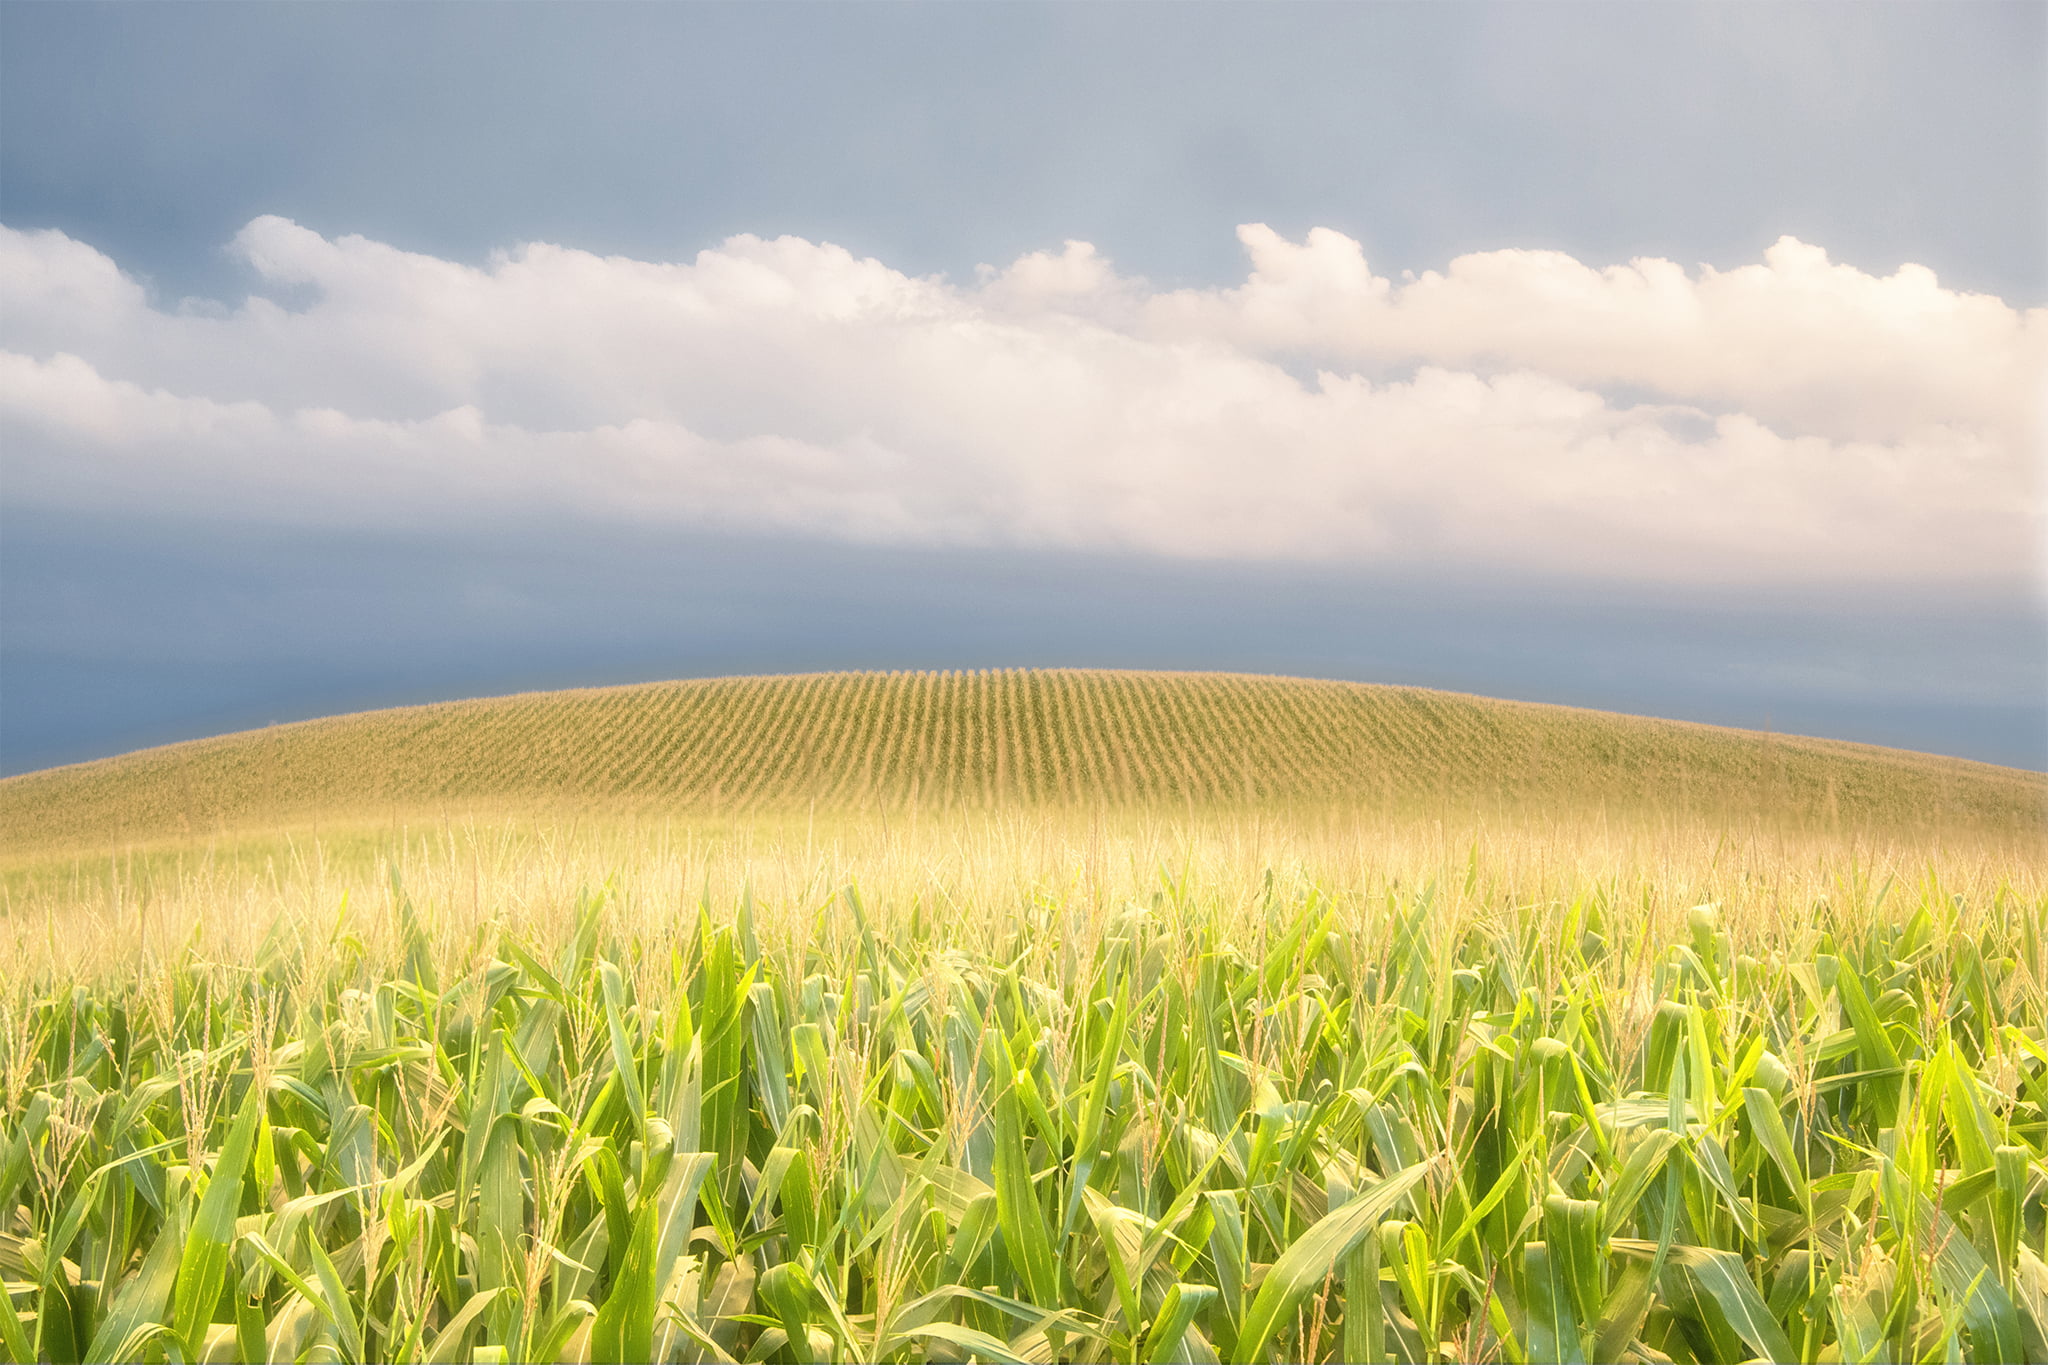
<point x="1794" y="422"/>
<point x="123" y="631"/>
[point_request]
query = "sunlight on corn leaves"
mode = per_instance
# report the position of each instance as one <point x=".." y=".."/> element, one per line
<point x="1321" y="1134"/>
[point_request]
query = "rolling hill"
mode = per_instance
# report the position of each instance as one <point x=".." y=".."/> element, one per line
<point x="856" y="741"/>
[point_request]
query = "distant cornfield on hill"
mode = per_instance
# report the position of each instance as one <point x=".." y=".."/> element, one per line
<point x="943" y="741"/>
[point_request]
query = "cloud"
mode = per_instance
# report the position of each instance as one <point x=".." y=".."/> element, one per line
<point x="1795" y="421"/>
<point x="1797" y="341"/>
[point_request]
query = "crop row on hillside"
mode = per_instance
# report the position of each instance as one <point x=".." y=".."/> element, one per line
<point x="981" y="740"/>
<point x="1302" y="1127"/>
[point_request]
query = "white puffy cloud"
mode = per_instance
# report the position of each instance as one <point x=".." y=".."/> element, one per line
<point x="1794" y="421"/>
<point x="1797" y="341"/>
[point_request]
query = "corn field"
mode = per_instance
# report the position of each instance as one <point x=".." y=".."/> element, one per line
<point x="981" y="740"/>
<point x="1411" y="1126"/>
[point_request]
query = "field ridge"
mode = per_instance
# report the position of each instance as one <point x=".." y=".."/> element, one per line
<point x="982" y="738"/>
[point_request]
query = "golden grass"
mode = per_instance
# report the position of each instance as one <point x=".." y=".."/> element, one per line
<point x="109" y="916"/>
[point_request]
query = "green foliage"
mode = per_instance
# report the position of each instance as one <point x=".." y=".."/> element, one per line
<point x="1322" y="1139"/>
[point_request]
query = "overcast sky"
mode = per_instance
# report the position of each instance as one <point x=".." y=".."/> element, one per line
<point x="1684" y="360"/>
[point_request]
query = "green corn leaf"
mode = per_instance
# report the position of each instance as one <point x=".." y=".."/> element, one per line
<point x="1769" y="1126"/>
<point x="350" y="1146"/>
<point x="1720" y="1275"/>
<point x="799" y="1202"/>
<point x="1553" y="1329"/>
<point x="1626" y="1188"/>
<point x="1043" y="1120"/>
<point x="1872" y="1042"/>
<point x="1119" y="1250"/>
<point x="1365" y="1318"/>
<point x="1622" y="1316"/>
<point x="501" y="1228"/>
<point x="1183" y="1304"/>
<point x="1511" y="1173"/>
<point x="1302" y="1267"/>
<point x="13" y="1337"/>
<point x="14" y="1160"/>
<point x="137" y="1343"/>
<point x="628" y="1067"/>
<point x="787" y="1289"/>
<point x="1859" y="1308"/>
<point x="624" y="1327"/>
<point x="1094" y="1108"/>
<point x="1976" y="1135"/>
<point x="730" y="1296"/>
<point x="967" y="1340"/>
<point x="446" y="1347"/>
<point x="676" y="1209"/>
<point x="1710" y="1159"/>
<point x="2030" y="1296"/>
<point x="1227" y="1253"/>
<point x="501" y="1207"/>
<point x="1572" y="1229"/>
<point x="727" y="1089"/>
<point x="1992" y="1317"/>
<point x="251" y="1341"/>
<point x="971" y="1236"/>
<point x="314" y="1299"/>
<point x="1017" y="1209"/>
<point x="1963" y="1194"/>
<point x="2009" y="1175"/>
<point x="202" y="1269"/>
<point x="57" y="1324"/>
<point x="340" y="1305"/>
<point x="1718" y="1281"/>
<point x="138" y="1311"/>
<point x="771" y="1063"/>
<point x="610" y="1181"/>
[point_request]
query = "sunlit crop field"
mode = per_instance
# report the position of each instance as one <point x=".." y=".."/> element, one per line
<point x="936" y="743"/>
<point x="1032" y="1085"/>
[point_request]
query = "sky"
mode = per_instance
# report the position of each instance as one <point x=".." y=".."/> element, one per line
<point x="1685" y="360"/>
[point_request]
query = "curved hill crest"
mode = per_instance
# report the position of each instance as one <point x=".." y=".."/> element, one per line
<point x="944" y="740"/>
